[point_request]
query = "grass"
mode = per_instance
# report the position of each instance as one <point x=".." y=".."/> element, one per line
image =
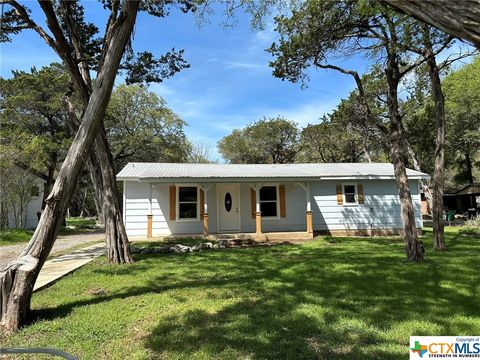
<point x="334" y="298"/>
<point x="74" y="226"/>
<point x="78" y="225"/>
<point x="14" y="236"/>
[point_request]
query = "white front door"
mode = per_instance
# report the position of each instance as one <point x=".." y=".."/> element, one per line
<point x="228" y="207"/>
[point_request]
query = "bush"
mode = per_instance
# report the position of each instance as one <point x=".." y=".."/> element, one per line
<point x="471" y="227"/>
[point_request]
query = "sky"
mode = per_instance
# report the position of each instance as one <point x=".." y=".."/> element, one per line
<point x="229" y="83"/>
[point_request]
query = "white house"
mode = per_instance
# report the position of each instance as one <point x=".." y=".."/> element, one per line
<point x="23" y="214"/>
<point x="339" y="199"/>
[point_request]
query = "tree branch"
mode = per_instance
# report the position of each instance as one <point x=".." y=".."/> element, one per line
<point x="80" y="60"/>
<point x="64" y="50"/>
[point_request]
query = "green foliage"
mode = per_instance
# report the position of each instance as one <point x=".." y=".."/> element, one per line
<point x="140" y="127"/>
<point x="14" y="236"/>
<point x="471" y="228"/>
<point x="33" y="129"/>
<point x="333" y="298"/>
<point x="345" y="135"/>
<point x="462" y="144"/>
<point x="266" y="141"/>
<point x="462" y="100"/>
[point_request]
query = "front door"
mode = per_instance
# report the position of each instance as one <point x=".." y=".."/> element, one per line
<point x="229" y="207"/>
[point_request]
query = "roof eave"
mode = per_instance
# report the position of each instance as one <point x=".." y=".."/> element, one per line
<point x="264" y="179"/>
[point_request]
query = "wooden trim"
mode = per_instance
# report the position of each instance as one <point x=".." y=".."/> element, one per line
<point x="202" y="203"/>
<point x="258" y="223"/>
<point x="339" y="195"/>
<point x="281" y="194"/>
<point x="361" y="197"/>
<point x="173" y="202"/>
<point x="205" y="225"/>
<point x="253" y="202"/>
<point x="309" y="222"/>
<point x="149" y="225"/>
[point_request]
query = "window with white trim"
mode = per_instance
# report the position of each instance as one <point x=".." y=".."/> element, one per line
<point x="269" y="201"/>
<point x="187" y="202"/>
<point x="350" y="195"/>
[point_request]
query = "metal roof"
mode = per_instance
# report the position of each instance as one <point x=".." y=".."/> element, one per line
<point x="163" y="172"/>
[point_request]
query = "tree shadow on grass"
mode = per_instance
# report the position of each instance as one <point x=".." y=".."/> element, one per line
<point x="311" y="301"/>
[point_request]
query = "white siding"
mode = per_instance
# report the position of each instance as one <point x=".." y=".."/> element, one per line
<point x="137" y="206"/>
<point x="381" y="209"/>
<point x="34" y="206"/>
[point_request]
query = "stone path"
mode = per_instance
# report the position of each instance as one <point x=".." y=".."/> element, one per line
<point x="60" y="266"/>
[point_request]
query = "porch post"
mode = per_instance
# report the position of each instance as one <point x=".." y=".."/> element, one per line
<point x="205" y="208"/>
<point x="309" y="211"/>
<point x="149" y="215"/>
<point x="258" y="213"/>
<point x="205" y="212"/>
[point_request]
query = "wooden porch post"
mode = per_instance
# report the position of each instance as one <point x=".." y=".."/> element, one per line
<point x="149" y="226"/>
<point x="149" y="215"/>
<point x="308" y="212"/>
<point x="258" y="213"/>
<point x="205" y="213"/>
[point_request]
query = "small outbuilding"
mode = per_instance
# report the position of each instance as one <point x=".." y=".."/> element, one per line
<point x="264" y="200"/>
<point x="464" y="200"/>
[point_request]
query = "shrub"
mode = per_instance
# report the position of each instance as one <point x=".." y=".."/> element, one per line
<point x="471" y="227"/>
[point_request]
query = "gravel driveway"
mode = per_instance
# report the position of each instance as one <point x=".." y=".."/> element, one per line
<point x="64" y="242"/>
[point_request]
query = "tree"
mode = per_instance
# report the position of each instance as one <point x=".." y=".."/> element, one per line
<point x="319" y="31"/>
<point x="458" y="18"/>
<point x="266" y="141"/>
<point x="462" y="94"/>
<point x="19" y="276"/>
<point x="140" y="127"/>
<point x="199" y="152"/>
<point x="32" y="123"/>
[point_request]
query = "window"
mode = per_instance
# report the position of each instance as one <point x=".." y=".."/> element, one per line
<point x="187" y="202"/>
<point x="350" y="194"/>
<point x="268" y="201"/>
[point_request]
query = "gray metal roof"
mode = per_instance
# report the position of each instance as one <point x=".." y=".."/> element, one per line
<point x="163" y="172"/>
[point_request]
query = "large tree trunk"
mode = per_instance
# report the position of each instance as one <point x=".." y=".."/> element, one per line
<point x="47" y="186"/>
<point x="94" y="167"/>
<point x="417" y="167"/>
<point x="102" y="174"/>
<point x="118" y="247"/>
<point x="412" y="246"/>
<point x="439" y="171"/>
<point x="459" y="18"/>
<point x="19" y="276"/>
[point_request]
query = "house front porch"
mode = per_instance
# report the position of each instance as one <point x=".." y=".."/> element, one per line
<point x="260" y="211"/>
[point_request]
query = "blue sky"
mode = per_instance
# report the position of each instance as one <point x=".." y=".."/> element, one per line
<point x="229" y="83"/>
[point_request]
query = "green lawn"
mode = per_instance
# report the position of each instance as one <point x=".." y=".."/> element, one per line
<point x="342" y="298"/>
<point x="74" y="226"/>
<point x="14" y="236"/>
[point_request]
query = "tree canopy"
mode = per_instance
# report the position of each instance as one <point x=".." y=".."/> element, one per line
<point x="266" y="141"/>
